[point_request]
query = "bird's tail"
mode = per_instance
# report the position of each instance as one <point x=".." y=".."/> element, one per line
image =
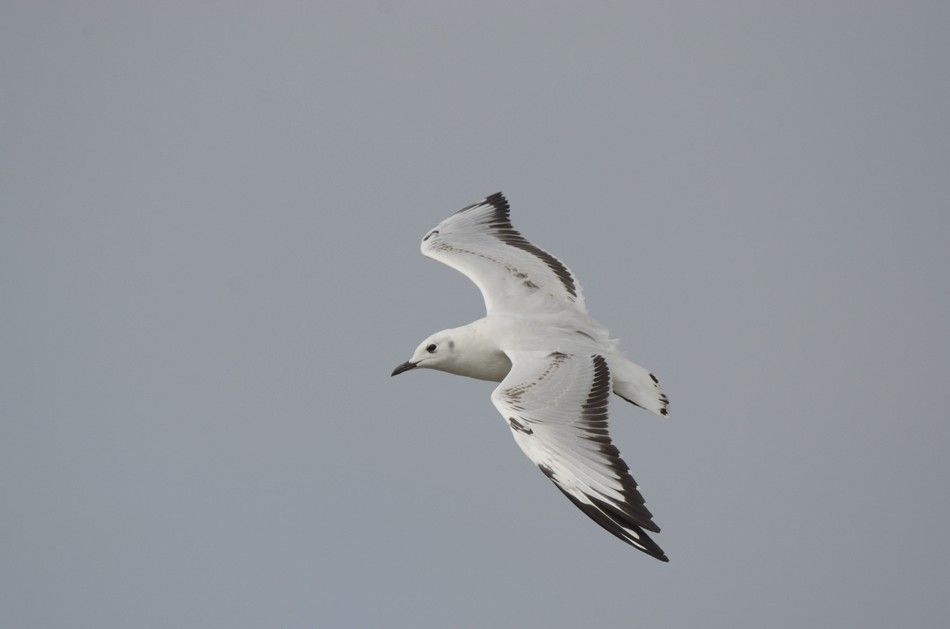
<point x="637" y="385"/>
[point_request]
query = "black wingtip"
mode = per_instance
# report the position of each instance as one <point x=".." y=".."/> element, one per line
<point x="644" y="543"/>
<point x="498" y="200"/>
<point x="652" y="548"/>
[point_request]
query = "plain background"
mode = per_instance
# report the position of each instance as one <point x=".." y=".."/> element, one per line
<point x="209" y="226"/>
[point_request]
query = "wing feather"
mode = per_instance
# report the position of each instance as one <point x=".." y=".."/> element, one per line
<point x="511" y="273"/>
<point x="556" y="406"/>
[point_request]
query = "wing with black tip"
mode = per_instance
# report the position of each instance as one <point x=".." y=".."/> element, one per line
<point x="512" y="274"/>
<point x="556" y="407"/>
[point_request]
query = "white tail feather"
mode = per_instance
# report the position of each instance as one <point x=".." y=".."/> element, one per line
<point x="638" y="386"/>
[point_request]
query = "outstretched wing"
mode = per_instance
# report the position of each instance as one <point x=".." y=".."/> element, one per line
<point x="556" y="407"/>
<point x="512" y="274"/>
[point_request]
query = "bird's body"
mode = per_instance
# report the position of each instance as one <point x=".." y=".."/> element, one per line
<point x="556" y="364"/>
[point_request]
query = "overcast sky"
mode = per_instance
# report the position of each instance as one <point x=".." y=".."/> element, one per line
<point x="209" y="225"/>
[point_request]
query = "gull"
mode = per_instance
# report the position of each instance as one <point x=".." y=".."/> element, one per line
<point x="556" y="364"/>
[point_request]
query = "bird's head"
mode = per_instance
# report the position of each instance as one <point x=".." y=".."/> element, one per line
<point x="436" y="352"/>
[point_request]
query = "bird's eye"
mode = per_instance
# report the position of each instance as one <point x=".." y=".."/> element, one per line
<point x="431" y="348"/>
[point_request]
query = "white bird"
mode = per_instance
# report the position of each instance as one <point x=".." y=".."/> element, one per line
<point x="556" y="364"/>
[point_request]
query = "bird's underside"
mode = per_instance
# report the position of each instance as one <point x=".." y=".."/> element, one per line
<point x="555" y="397"/>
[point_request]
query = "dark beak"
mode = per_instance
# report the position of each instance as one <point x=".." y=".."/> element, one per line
<point x="403" y="367"/>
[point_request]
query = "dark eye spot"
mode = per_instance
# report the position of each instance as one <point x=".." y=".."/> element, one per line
<point x="431" y="348"/>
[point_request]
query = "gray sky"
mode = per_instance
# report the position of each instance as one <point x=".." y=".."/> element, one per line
<point x="209" y="226"/>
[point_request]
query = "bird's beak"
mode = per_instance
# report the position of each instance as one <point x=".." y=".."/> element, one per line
<point x="406" y="366"/>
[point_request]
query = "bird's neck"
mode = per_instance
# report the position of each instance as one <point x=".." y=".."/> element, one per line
<point x="477" y="356"/>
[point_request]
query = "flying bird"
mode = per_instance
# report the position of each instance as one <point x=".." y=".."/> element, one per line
<point x="556" y="364"/>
